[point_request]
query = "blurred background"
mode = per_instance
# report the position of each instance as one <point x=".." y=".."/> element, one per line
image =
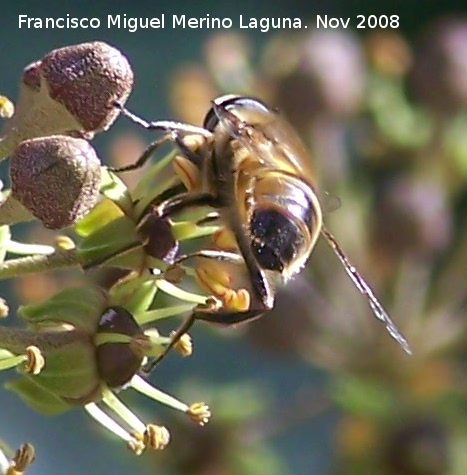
<point x="317" y="386"/>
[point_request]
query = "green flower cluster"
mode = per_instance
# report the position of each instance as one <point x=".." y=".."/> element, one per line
<point x="86" y="342"/>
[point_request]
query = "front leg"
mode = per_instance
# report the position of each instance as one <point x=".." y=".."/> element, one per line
<point x="174" y="132"/>
<point x="164" y="125"/>
<point x="213" y="314"/>
<point x="262" y="299"/>
<point x="186" y="200"/>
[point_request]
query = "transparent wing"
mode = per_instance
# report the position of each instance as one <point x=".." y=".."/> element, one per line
<point x="366" y="290"/>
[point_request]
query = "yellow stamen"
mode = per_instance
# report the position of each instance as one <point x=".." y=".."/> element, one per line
<point x="35" y="360"/>
<point x="199" y="413"/>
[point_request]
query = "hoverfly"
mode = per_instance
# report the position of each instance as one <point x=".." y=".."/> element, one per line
<point x="254" y="172"/>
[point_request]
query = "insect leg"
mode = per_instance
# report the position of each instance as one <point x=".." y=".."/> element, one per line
<point x="186" y="200"/>
<point x="216" y="254"/>
<point x="215" y="316"/>
<point x="163" y="125"/>
<point x="150" y="149"/>
<point x="209" y="218"/>
<point x="174" y="132"/>
<point x="179" y="332"/>
<point x="264" y="294"/>
<point x="262" y="299"/>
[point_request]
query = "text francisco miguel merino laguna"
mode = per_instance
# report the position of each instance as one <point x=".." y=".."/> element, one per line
<point x="133" y="24"/>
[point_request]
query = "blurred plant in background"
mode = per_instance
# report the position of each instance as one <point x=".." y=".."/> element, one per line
<point x="386" y="125"/>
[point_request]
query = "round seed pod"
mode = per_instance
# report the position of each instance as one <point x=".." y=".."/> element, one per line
<point x="56" y="178"/>
<point x="161" y="243"/>
<point x="117" y="362"/>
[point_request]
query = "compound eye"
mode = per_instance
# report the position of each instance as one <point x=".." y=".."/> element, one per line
<point x="230" y="102"/>
<point x="276" y="239"/>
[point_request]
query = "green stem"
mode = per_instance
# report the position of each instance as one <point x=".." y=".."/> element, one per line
<point x="38" y="263"/>
<point x="17" y="340"/>
<point x="8" y="143"/>
<point x="26" y="249"/>
<point x="142" y="386"/>
<point x="12" y="211"/>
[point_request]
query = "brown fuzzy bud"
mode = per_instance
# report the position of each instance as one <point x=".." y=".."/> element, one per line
<point x="72" y="91"/>
<point x="32" y="76"/>
<point x="87" y="79"/>
<point x="56" y="178"/>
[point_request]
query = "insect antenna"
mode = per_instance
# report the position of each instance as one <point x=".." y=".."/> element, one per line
<point x="366" y="290"/>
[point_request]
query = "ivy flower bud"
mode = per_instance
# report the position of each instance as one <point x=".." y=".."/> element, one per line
<point x="328" y="77"/>
<point x="70" y="90"/>
<point x="87" y="79"/>
<point x="405" y="443"/>
<point x="56" y="178"/>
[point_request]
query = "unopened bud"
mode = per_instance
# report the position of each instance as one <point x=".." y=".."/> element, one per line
<point x="87" y="79"/>
<point x="56" y="178"/>
<point x="71" y="90"/>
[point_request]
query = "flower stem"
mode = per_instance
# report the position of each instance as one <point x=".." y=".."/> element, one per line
<point x="17" y="340"/>
<point x="38" y="263"/>
<point x="12" y="211"/>
<point x="23" y="248"/>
